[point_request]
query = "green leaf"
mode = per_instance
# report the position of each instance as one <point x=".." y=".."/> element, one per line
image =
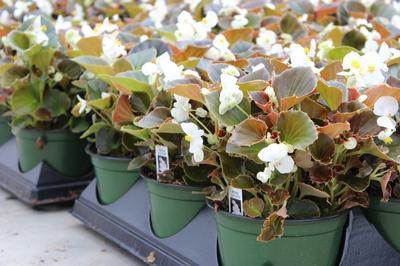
<point x="250" y="152"/>
<point x="347" y="7"/>
<point x="93" y="129"/>
<point x="78" y="124"/>
<point x="12" y="74"/>
<point x="292" y="26"/>
<point x="297" y="81"/>
<point x="137" y="60"/>
<point x="249" y="132"/>
<point x="127" y="82"/>
<point x="23" y="100"/>
<point x="191" y="91"/>
<point x="141" y="133"/>
<point x="253" y="207"/>
<point x="155" y="118"/>
<point x="370" y="147"/>
<point x="338" y="53"/>
<point x="353" y="179"/>
<point x="231" y="166"/>
<point x="302" y="209"/>
<point x="106" y="140"/>
<point x="92" y="46"/>
<point x="197" y="175"/>
<point x="242" y="182"/>
<point x="296" y="129"/>
<point x="43" y="58"/>
<point x="382" y="9"/>
<point x="231" y="117"/>
<point x="323" y="148"/>
<point x="355" y="39"/>
<point x="139" y="161"/>
<point x="332" y="95"/>
<point x="272" y="228"/>
<point x="308" y="190"/>
<point x="94" y="64"/>
<point x="57" y="102"/>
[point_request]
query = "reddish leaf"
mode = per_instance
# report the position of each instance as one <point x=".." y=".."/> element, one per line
<point x="385" y="186"/>
<point x="122" y="113"/>
<point x="272" y="228"/>
<point x="378" y="91"/>
<point x="334" y="130"/>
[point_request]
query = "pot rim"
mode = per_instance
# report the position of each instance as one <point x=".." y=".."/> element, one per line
<point x="89" y="151"/>
<point x="186" y="187"/>
<point x="287" y="221"/>
<point x="378" y="197"/>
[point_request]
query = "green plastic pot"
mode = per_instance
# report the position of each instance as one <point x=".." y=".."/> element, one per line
<point x="305" y="242"/>
<point x="61" y="150"/>
<point x="5" y="129"/>
<point x="112" y="176"/>
<point x="172" y="207"/>
<point x="386" y="219"/>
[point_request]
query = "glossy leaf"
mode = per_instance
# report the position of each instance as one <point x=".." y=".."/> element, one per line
<point x="248" y="132"/>
<point x="253" y="207"/>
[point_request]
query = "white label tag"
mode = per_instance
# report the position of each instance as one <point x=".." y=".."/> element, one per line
<point x="236" y="201"/>
<point x="162" y="161"/>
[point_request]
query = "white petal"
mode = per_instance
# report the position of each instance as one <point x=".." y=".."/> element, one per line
<point x="386" y="106"/>
<point x="198" y="156"/>
<point x="273" y="152"/>
<point x="386" y="122"/>
<point x="284" y="165"/>
<point x="149" y="68"/>
<point x="189" y="128"/>
<point x="265" y="175"/>
<point x="350" y="143"/>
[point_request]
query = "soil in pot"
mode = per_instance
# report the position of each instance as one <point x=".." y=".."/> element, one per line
<point x="5" y="130"/>
<point x="386" y="219"/>
<point x="305" y="242"/>
<point x="172" y="207"/>
<point x="112" y="176"/>
<point x="60" y="149"/>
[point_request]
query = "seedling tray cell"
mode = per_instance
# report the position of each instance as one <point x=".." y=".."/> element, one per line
<point x="41" y="185"/>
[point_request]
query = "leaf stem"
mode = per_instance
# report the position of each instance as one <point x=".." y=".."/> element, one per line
<point x="198" y="121"/>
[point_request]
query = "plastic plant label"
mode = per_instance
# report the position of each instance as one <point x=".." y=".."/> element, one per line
<point x="236" y="201"/>
<point x="162" y="161"/>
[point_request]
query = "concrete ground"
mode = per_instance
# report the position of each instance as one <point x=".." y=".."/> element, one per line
<point x="51" y="236"/>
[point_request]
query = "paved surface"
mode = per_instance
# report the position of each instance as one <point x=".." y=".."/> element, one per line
<point x="51" y="236"/>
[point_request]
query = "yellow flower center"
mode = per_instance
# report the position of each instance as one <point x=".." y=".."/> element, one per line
<point x="371" y="68"/>
<point x="306" y="50"/>
<point x="388" y="140"/>
<point x="117" y="42"/>
<point x="188" y="138"/>
<point x="267" y="40"/>
<point x="355" y="63"/>
<point x="43" y="28"/>
<point x="204" y="20"/>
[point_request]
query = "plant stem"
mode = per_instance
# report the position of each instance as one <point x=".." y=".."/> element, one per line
<point x="198" y="121"/>
<point x="242" y="110"/>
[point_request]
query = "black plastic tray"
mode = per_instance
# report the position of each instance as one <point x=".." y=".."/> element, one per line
<point x="126" y="222"/>
<point x="40" y="186"/>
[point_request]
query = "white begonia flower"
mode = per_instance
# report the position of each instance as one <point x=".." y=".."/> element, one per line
<point x="239" y="21"/>
<point x="165" y="66"/>
<point x="73" y="36"/>
<point x="45" y="6"/>
<point x="105" y="27"/>
<point x="194" y="137"/>
<point x="395" y="21"/>
<point x="276" y="157"/>
<point x="37" y="32"/>
<point x="189" y="72"/>
<point x="266" y="38"/>
<point x="84" y="105"/>
<point x="188" y="29"/>
<point x="372" y="66"/>
<point x="324" y="48"/>
<point x="20" y="8"/>
<point x="265" y="175"/>
<point x="78" y="13"/>
<point x="370" y="45"/>
<point x="112" y="48"/>
<point x="5" y="17"/>
<point x="220" y="49"/>
<point x="352" y="62"/>
<point x="386" y="107"/>
<point x="350" y="143"/>
<point x="230" y="95"/>
<point x="62" y="25"/>
<point x="230" y="70"/>
<point x="158" y="12"/>
<point x="299" y="56"/>
<point x="180" y="111"/>
<point x="271" y="95"/>
<point x="200" y="112"/>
